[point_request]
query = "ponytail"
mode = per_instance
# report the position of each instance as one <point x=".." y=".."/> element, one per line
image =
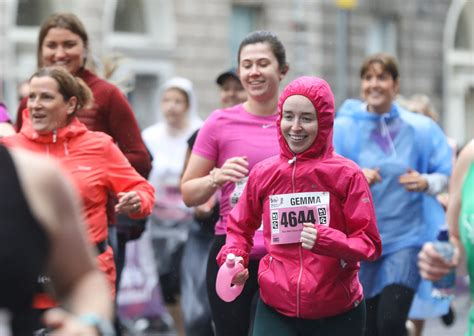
<point x="84" y="94"/>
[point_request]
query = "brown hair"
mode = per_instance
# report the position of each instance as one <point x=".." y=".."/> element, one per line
<point x="67" y="21"/>
<point x="387" y="61"/>
<point x="261" y="36"/>
<point x="68" y="86"/>
<point x="180" y="90"/>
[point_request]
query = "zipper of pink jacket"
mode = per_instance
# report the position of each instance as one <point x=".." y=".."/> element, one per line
<point x="298" y="299"/>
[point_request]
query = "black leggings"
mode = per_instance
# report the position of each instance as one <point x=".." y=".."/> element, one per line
<point x="387" y="312"/>
<point x="231" y="318"/>
<point x="270" y="322"/>
<point x="170" y="282"/>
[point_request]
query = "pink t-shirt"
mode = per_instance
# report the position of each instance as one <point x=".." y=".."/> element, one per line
<point x="235" y="132"/>
<point x="4" y="117"/>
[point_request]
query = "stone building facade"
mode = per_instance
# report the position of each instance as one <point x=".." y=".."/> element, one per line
<point x="432" y="39"/>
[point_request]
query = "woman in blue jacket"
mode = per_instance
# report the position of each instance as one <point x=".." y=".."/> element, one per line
<point x="406" y="160"/>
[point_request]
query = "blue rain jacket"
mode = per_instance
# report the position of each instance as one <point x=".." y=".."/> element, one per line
<point x="394" y="143"/>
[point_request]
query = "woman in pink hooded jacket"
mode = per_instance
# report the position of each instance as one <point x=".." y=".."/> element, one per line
<point x="318" y="219"/>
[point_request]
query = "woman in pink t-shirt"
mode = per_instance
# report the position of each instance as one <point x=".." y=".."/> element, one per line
<point x="6" y="127"/>
<point x="229" y="144"/>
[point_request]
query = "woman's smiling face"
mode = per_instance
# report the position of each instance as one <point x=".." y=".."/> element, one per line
<point x="259" y="71"/>
<point x="47" y="107"/>
<point x="61" y="47"/>
<point x="378" y="88"/>
<point x="299" y="123"/>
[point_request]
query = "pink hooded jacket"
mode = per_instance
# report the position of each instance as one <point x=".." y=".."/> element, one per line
<point x="297" y="282"/>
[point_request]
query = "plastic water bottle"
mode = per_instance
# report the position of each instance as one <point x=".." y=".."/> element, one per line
<point x="225" y="289"/>
<point x="444" y="287"/>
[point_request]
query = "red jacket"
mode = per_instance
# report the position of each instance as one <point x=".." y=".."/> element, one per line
<point x="297" y="282"/>
<point x="96" y="166"/>
<point x="111" y="114"/>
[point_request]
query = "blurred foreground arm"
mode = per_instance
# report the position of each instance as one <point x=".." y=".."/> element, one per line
<point x="432" y="265"/>
<point x="80" y="286"/>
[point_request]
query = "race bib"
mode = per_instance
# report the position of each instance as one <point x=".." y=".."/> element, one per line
<point x="235" y="195"/>
<point x="238" y="190"/>
<point x="288" y="212"/>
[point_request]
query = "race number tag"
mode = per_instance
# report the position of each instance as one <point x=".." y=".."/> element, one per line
<point x="238" y="190"/>
<point x="288" y="212"/>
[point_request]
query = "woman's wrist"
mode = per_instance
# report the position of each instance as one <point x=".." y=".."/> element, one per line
<point x="103" y="326"/>
<point x="213" y="178"/>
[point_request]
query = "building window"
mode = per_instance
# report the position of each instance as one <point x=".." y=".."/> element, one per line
<point x="132" y="25"/>
<point x="244" y="19"/>
<point x="464" y="39"/>
<point x="32" y="12"/>
<point x="144" y="99"/>
<point x="130" y="17"/>
<point x="382" y="36"/>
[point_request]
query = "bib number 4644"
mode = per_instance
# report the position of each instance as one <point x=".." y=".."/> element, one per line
<point x="295" y="218"/>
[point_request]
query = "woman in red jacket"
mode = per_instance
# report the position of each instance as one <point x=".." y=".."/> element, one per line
<point x="94" y="163"/>
<point x="318" y="223"/>
<point x="63" y="41"/>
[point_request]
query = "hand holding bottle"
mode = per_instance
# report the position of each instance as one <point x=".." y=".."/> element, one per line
<point x="433" y="266"/>
<point x="231" y="278"/>
<point x="444" y="287"/>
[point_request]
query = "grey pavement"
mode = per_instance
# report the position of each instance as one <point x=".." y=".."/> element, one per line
<point x="433" y="327"/>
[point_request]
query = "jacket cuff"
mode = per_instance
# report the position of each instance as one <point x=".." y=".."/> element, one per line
<point x="221" y="257"/>
<point x="437" y="183"/>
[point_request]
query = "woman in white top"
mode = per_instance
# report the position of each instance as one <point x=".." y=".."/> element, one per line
<point x="171" y="219"/>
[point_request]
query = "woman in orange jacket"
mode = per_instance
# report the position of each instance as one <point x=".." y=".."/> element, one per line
<point x="92" y="160"/>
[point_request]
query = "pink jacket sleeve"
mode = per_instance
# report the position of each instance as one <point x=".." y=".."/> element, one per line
<point x="4" y="116"/>
<point x="242" y="222"/>
<point x="361" y="241"/>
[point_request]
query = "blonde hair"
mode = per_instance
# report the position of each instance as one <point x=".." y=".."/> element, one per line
<point x="421" y="103"/>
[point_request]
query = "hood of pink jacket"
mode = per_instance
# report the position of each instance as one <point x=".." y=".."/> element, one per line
<point x="320" y="94"/>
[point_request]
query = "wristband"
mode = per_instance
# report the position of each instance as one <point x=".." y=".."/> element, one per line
<point x="103" y="326"/>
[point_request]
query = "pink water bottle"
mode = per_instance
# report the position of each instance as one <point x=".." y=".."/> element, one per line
<point x="225" y="289"/>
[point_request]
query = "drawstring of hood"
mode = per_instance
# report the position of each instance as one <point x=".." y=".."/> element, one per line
<point x="59" y="138"/>
<point x="386" y="132"/>
<point x="360" y="110"/>
<point x="66" y="149"/>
